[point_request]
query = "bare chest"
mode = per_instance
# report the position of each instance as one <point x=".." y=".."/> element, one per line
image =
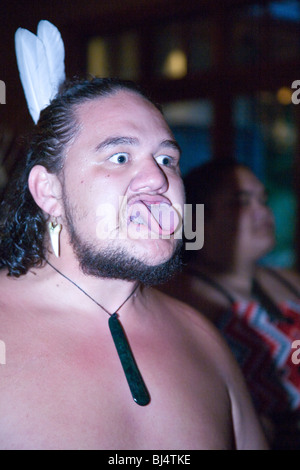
<point x="75" y="396"/>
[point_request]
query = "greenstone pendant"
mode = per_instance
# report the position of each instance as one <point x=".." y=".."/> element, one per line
<point x="135" y="381"/>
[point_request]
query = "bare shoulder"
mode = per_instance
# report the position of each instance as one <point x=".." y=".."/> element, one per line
<point x="17" y="295"/>
<point x="9" y="296"/>
<point x="198" y="294"/>
<point x="186" y="314"/>
<point x="11" y="289"/>
<point x="200" y="330"/>
<point x="212" y="346"/>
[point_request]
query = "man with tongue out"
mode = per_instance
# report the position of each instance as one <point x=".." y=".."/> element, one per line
<point x="102" y="173"/>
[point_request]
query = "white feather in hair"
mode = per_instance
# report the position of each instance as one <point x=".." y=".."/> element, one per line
<point x="55" y="52"/>
<point x="41" y="66"/>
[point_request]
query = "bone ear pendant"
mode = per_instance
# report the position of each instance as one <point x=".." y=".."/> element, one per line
<point x="54" y="231"/>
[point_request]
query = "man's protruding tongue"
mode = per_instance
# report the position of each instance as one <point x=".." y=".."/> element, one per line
<point x="166" y="217"/>
<point x="160" y="217"/>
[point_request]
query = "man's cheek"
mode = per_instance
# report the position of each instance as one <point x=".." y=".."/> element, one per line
<point x="106" y="221"/>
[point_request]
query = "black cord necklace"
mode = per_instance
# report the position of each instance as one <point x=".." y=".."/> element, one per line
<point x="135" y="381"/>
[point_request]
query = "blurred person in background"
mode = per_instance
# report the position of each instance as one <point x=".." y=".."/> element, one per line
<point x="257" y="308"/>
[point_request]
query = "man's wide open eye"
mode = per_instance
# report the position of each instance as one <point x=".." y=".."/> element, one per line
<point x="119" y="158"/>
<point x="164" y="160"/>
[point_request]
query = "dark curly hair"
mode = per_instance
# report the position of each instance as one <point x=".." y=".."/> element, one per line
<point x="22" y="222"/>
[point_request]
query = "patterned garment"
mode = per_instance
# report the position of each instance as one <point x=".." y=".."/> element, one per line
<point x="263" y="348"/>
<point x="260" y="335"/>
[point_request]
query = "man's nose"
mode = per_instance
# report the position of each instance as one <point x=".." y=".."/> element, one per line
<point x="149" y="177"/>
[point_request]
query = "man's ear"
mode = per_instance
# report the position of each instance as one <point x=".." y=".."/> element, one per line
<point x="46" y="190"/>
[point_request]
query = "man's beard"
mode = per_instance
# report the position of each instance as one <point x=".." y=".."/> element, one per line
<point x="116" y="263"/>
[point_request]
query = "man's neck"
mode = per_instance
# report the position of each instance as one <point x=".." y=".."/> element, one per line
<point x="105" y="292"/>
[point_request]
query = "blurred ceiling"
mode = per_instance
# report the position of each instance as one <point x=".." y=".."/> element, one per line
<point x="95" y="14"/>
<point x="78" y="20"/>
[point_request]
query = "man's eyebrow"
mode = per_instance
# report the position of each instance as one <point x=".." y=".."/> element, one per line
<point x="114" y="141"/>
<point x="117" y="140"/>
<point x="172" y="144"/>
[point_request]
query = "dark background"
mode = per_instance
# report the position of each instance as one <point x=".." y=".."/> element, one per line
<point x="240" y="55"/>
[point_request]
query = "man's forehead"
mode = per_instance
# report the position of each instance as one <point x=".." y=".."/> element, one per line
<point x="120" y="99"/>
<point x="121" y="113"/>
